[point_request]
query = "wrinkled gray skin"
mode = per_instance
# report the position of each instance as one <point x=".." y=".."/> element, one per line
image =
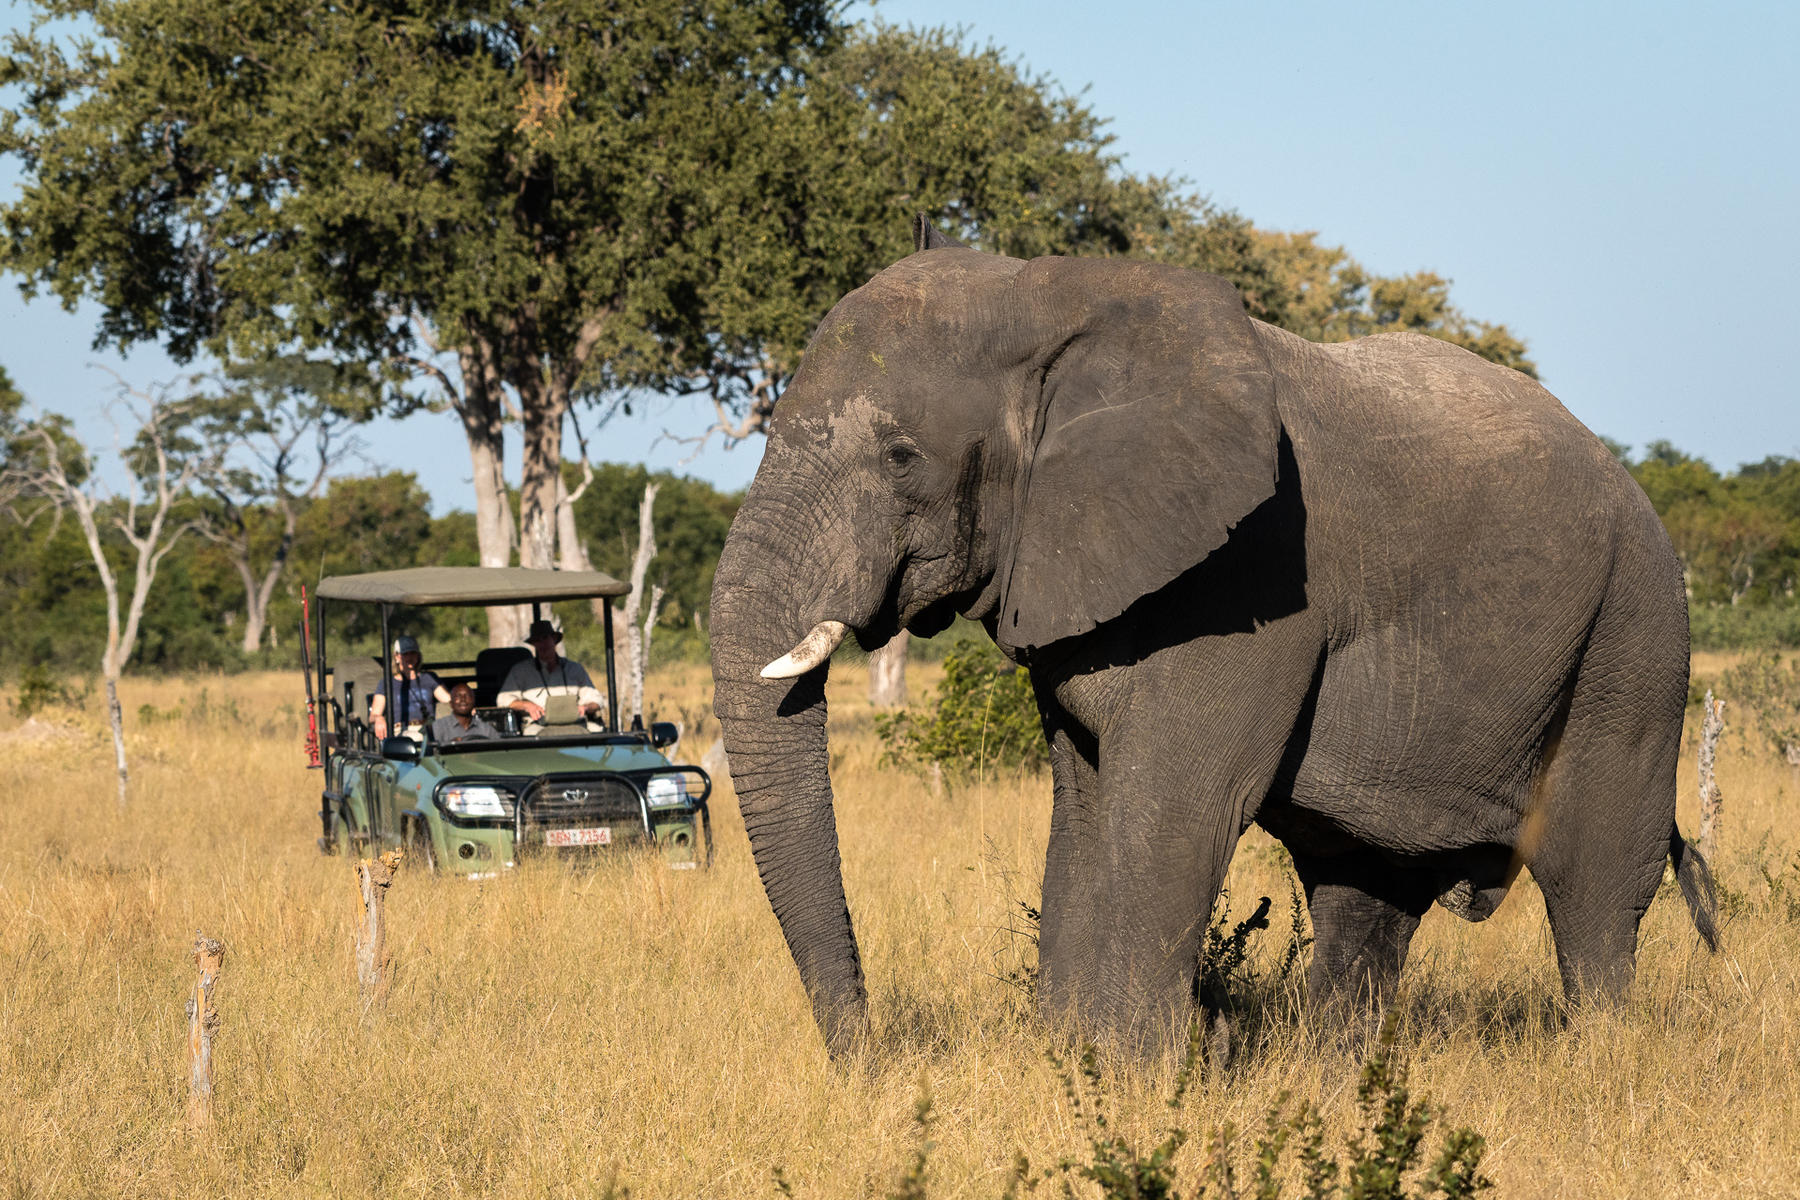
<point x="1386" y="599"/>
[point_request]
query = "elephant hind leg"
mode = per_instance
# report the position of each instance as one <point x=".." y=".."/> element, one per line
<point x="1600" y="859"/>
<point x="1607" y="792"/>
<point x="1364" y="912"/>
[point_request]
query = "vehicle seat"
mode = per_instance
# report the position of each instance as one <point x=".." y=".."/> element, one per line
<point x="491" y="666"/>
<point x="364" y="670"/>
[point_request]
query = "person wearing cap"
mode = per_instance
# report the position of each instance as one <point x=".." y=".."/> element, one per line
<point x="547" y="680"/>
<point x="413" y="695"/>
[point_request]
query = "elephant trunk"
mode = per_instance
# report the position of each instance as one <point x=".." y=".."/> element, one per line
<point x="774" y="732"/>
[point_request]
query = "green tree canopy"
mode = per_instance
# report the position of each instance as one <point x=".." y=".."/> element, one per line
<point x="532" y="186"/>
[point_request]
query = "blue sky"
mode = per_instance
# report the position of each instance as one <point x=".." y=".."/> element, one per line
<point x="1619" y="183"/>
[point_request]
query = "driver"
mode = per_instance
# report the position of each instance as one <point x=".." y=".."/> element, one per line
<point x="462" y="724"/>
<point x="415" y="693"/>
<point x="547" y="680"/>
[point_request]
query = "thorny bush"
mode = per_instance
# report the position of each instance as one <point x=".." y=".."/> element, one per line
<point x="982" y="718"/>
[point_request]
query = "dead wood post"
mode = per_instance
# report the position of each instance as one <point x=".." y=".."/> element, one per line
<point x="887" y="672"/>
<point x="1712" y="724"/>
<point x="373" y="878"/>
<point x="203" y="1023"/>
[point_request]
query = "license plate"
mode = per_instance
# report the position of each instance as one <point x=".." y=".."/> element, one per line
<point x="577" y="837"/>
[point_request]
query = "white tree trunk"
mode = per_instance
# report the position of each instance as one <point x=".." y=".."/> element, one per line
<point x="115" y="716"/>
<point x="1712" y="801"/>
<point x="641" y="652"/>
<point x="887" y="672"/>
<point x="50" y="480"/>
<point x="253" y="628"/>
<point x="636" y="647"/>
<point x="483" y="427"/>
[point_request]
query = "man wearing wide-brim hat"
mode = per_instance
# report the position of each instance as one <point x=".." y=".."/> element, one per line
<point x="553" y="692"/>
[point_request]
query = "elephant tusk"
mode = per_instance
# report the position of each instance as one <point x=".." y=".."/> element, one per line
<point x="812" y="650"/>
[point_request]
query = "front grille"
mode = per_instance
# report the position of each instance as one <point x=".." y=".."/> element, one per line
<point x="595" y="802"/>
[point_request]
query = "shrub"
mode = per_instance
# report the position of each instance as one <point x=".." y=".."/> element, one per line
<point x="41" y="688"/>
<point x="1744" y="627"/>
<point x="1382" y="1157"/>
<point x="983" y="717"/>
<point x="1767" y="690"/>
<point x="1384" y="1154"/>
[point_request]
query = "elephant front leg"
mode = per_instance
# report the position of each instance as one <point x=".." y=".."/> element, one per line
<point x="1160" y="764"/>
<point x="1072" y="875"/>
<point x="1140" y="841"/>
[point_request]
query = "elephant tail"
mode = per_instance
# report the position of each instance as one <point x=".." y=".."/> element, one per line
<point x="1696" y="881"/>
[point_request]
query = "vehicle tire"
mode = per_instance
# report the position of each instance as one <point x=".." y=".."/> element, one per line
<point x="351" y="839"/>
<point x="419" y="846"/>
<point x="344" y="836"/>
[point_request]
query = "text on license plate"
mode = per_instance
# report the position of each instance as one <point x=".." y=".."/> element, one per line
<point x="577" y="837"/>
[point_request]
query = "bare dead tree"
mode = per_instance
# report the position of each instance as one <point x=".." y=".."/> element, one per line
<point x="47" y="472"/>
<point x="203" y="1024"/>
<point x="571" y="550"/>
<point x="636" y="617"/>
<point x="1712" y="724"/>
<point x="887" y="672"/>
<point x="743" y="399"/>
<point x="373" y="878"/>
<point x="253" y="439"/>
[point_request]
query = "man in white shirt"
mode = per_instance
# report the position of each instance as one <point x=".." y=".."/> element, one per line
<point x="548" y="688"/>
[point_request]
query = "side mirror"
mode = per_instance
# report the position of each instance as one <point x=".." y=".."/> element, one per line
<point x="664" y="733"/>
<point x="400" y="749"/>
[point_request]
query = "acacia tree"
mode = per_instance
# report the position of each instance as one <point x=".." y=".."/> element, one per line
<point x="527" y="189"/>
<point x="46" y="474"/>
<point x="266" y="441"/>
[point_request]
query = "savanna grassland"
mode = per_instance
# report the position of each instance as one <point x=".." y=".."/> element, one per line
<point x="554" y="1030"/>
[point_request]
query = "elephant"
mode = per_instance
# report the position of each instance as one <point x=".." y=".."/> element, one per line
<point x="1389" y="601"/>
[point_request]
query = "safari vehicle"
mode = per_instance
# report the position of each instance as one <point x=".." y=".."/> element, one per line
<point x="478" y="807"/>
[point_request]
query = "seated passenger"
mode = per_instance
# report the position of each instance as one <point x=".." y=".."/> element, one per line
<point x="413" y="695"/>
<point x="462" y="725"/>
<point x="548" y="683"/>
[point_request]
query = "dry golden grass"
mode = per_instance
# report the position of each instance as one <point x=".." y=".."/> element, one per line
<point x="548" y="1029"/>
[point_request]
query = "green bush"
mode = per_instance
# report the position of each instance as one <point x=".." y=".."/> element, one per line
<point x="983" y="717"/>
<point x="1388" y="1150"/>
<point x="1766" y="690"/>
<point x="1744" y="627"/>
<point x="40" y="687"/>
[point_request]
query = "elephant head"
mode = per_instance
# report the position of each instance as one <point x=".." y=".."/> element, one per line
<point x="1033" y="444"/>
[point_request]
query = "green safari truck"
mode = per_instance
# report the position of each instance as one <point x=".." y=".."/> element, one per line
<point x="480" y="806"/>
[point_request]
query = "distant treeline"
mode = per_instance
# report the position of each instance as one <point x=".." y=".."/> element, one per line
<point x="1738" y="535"/>
<point x="53" y="612"/>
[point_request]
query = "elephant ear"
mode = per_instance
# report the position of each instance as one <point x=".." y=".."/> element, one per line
<point x="927" y="237"/>
<point x="1156" y="431"/>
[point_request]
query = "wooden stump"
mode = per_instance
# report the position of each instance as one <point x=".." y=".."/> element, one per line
<point x="1712" y="724"/>
<point x="203" y="1023"/>
<point x="373" y="878"/>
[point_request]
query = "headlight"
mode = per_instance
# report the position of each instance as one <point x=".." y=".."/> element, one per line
<point x="666" y="791"/>
<point x="476" y="800"/>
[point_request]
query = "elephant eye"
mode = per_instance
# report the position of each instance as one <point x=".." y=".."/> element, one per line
<point x="900" y="456"/>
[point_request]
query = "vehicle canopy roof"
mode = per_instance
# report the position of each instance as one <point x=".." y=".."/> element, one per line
<point x="469" y="586"/>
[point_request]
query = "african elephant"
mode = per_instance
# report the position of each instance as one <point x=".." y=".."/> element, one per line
<point x="1388" y="600"/>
